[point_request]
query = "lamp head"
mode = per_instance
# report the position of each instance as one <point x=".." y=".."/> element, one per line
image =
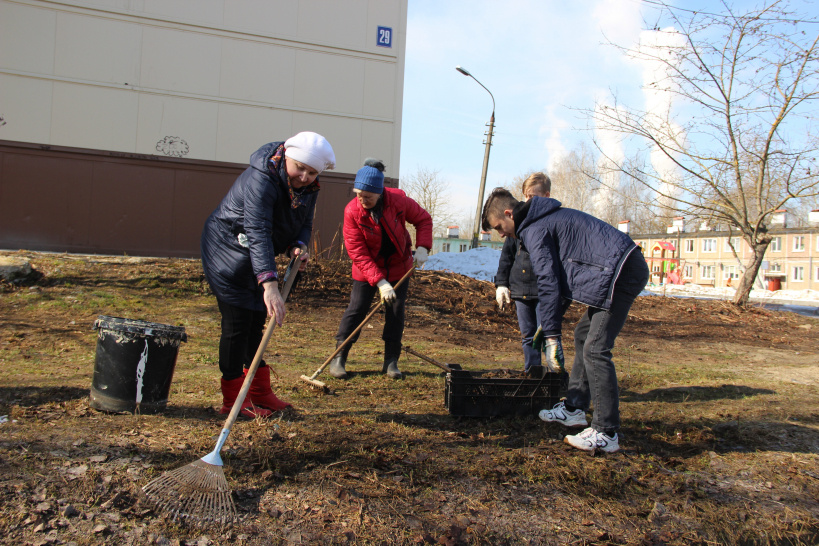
<point x="463" y="70"/>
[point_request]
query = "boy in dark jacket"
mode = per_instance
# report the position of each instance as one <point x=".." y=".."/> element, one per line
<point x="581" y="258"/>
<point x="515" y="279"/>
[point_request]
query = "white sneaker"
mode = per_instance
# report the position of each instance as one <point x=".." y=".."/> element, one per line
<point x="559" y="414"/>
<point x="592" y="440"/>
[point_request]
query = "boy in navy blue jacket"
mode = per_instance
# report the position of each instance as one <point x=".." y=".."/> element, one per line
<point x="576" y="257"/>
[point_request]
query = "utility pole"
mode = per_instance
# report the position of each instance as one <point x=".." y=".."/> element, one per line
<point x="477" y="230"/>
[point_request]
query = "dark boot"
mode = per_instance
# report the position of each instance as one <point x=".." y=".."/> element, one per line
<point x="336" y="368"/>
<point x="261" y="394"/>
<point x="392" y="352"/>
<point x="230" y="390"/>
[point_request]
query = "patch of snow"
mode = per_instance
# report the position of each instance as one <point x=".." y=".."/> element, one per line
<point x="482" y="263"/>
<point x="809" y="297"/>
<point x="479" y="263"/>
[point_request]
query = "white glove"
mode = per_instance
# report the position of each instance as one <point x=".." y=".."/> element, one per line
<point x="502" y="297"/>
<point x="421" y="255"/>
<point x="387" y="293"/>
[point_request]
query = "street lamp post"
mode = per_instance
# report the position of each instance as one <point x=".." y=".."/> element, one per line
<point x="477" y="228"/>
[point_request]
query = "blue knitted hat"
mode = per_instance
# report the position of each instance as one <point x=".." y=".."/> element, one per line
<point x="369" y="179"/>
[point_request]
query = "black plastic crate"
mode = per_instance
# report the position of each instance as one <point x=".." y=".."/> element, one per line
<point x="470" y="394"/>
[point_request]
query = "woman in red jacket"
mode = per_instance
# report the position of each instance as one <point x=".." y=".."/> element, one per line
<point x="379" y="244"/>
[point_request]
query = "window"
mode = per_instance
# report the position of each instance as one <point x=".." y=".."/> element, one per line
<point x="655" y="268"/>
<point x="730" y="272"/>
<point x="817" y="274"/>
<point x="689" y="245"/>
<point x="708" y="272"/>
<point x="709" y="245"/>
<point x="445" y="247"/>
<point x="776" y="268"/>
<point x="732" y="241"/>
<point x="776" y="244"/>
<point x="799" y="273"/>
<point x="798" y="243"/>
<point x="688" y="271"/>
<point x="463" y="247"/>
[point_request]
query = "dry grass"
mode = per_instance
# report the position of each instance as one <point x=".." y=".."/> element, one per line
<point x="720" y="437"/>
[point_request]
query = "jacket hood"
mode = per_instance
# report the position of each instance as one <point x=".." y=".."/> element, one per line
<point x="538" y="208"/>
<point x="260" y="158"/>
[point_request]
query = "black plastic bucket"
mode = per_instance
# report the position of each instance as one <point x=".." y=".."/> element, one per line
<point x="134" y="365"/>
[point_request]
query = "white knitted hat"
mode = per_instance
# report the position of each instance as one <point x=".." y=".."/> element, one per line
<point x="311" y="149"/>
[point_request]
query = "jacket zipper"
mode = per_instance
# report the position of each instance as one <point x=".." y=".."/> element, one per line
<point x="601" y="267"/>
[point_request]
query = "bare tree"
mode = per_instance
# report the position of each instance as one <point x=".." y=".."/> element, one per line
<point x="465" y="223"/>
<point x="431" y="192"/>
<point x="573" y="179"/>
<point x="516" y="186"/>
<point x="728" y="126"/>
<point x="579" y="181"/>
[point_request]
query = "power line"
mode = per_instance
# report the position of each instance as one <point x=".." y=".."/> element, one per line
<point x="701" y="12"/>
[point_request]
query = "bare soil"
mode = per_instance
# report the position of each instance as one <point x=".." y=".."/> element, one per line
<point x="720" y="408"/>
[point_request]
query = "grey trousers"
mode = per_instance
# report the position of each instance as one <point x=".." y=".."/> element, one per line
<point x="593" y="379"/>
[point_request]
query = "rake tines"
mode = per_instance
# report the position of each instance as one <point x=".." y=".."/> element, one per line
<point x="198" y="491"/>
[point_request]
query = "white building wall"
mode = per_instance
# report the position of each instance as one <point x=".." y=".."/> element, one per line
<point x="221" y="76"/>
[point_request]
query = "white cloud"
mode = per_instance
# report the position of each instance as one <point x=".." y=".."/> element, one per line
<point x="619" y="22"/>
<point x="657" y="57"/>
<point x="553" y="131"/>
<point x="541" y="59"/>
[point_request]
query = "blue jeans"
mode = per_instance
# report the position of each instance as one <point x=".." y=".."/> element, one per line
<point x="593" y="379"/>
<point x="528" y="322"/>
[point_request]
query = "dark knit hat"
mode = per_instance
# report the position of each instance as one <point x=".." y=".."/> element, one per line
<point x="370" y="177"/>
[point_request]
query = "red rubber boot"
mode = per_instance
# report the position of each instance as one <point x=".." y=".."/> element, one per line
<point x="230" y="390"/>
<point x="261" y="394"/>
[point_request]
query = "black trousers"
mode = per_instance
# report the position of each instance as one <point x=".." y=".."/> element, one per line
<point x="242" y="332"/>
<point x="361" y="298"/>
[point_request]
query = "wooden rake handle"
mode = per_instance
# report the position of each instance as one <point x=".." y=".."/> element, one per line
<point x="289" y="278"/>
<point x="359" y="327"/>
<point x="428" y="359"/>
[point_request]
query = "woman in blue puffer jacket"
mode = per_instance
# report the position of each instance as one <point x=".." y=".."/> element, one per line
<point x="268" y="211"/>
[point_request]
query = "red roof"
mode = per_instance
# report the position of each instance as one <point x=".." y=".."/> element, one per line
<point x="664" y="245"/>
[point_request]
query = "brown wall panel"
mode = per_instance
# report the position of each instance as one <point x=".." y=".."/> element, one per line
<point x="133" y="207"/>
<point x="49" y="204"/>
<point x="333" y="197"/>
<point x="89" y="201"/>
<point x="196" y="195"/>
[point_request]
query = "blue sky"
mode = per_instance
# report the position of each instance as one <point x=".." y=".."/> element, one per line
<point x="539" y="58"/>
<point x="542" y="60"/>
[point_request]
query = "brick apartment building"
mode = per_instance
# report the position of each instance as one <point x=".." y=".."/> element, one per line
<point x="712" y="256"/>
